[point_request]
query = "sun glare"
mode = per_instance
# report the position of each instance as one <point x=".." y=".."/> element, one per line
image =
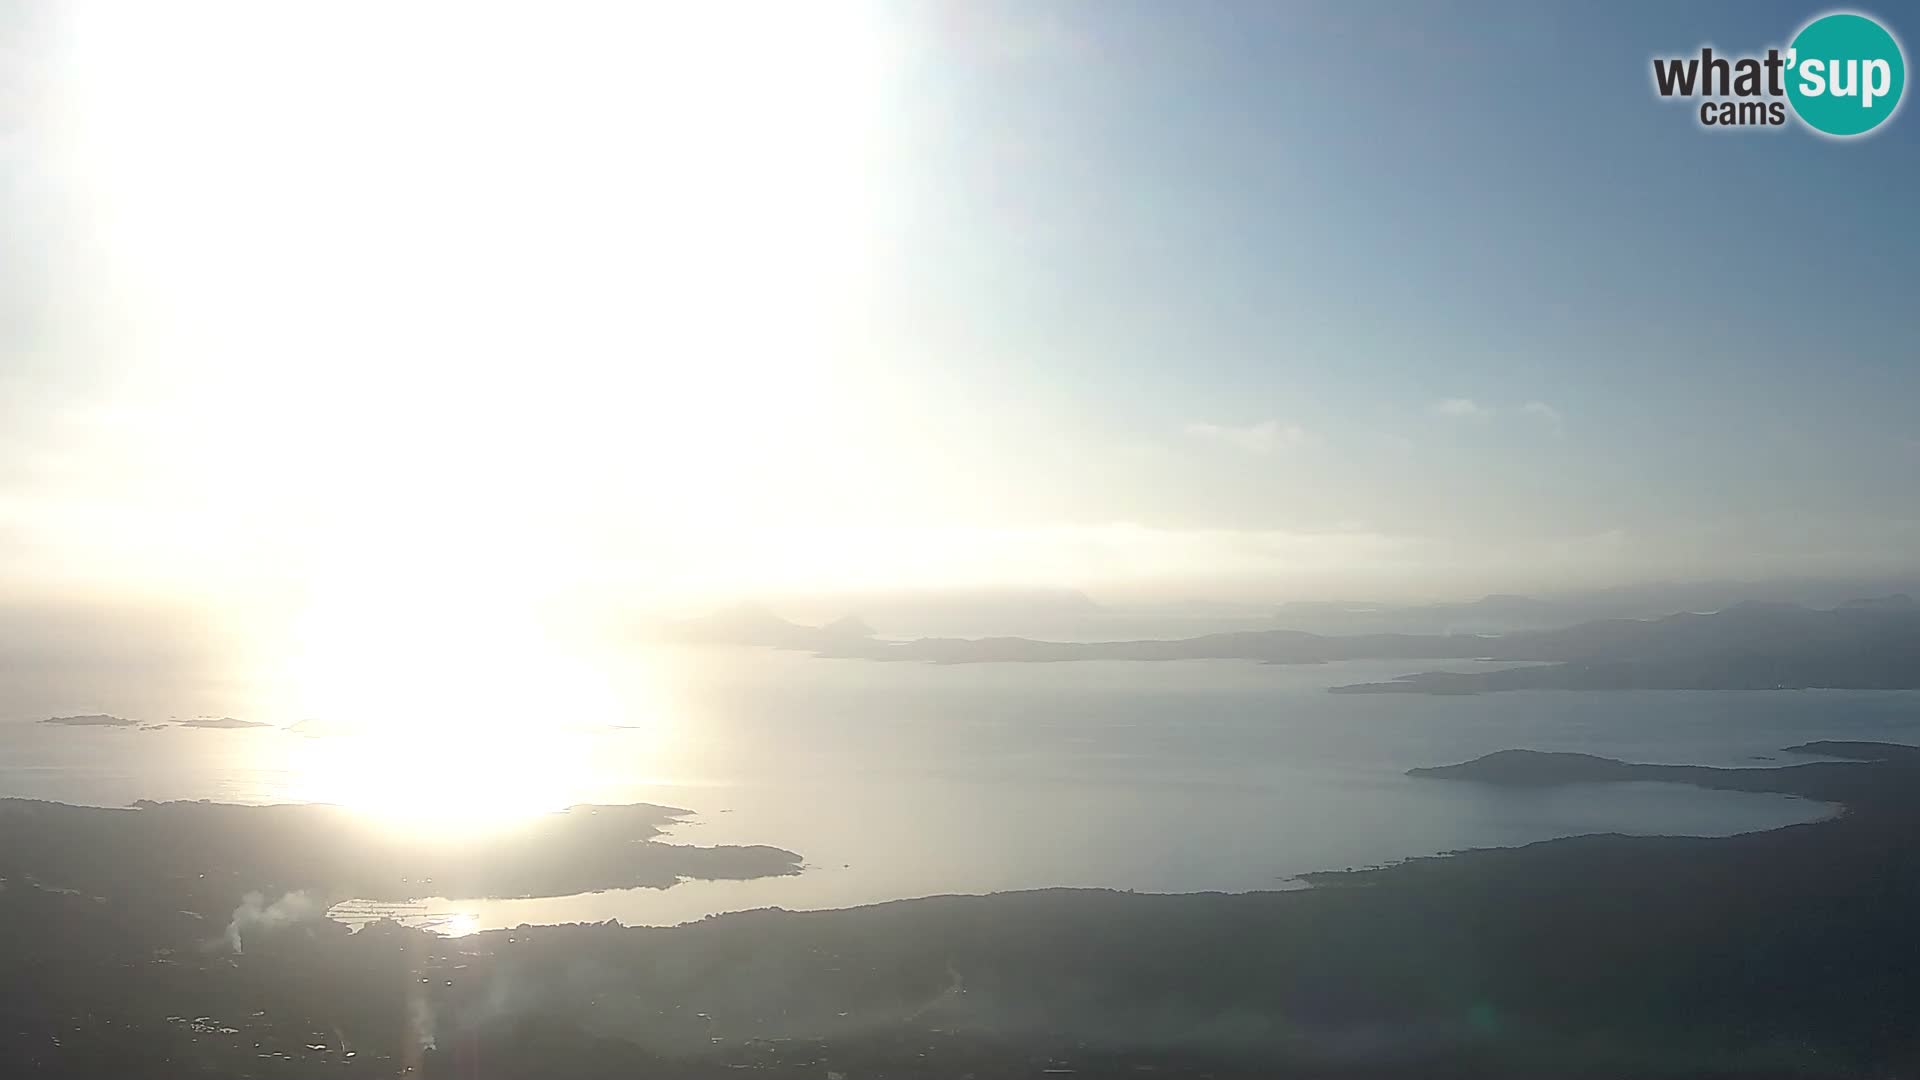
<point x="451" y="710"/>
<point x="455" y="718"/>
<point x="399" y="275"/>
<point x="452" y="309"/>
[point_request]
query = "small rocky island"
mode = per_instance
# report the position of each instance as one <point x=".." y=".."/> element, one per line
<point x="223" y="723"/>
<point x="90" y="720"/>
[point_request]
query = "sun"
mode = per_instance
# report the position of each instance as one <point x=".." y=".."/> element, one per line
<point x="450" y="702"/>
<point x="445" y="311"/>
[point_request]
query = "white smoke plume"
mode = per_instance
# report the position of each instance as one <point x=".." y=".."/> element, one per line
<point x="254" y="913"/>
<point x="420" y="1022"/>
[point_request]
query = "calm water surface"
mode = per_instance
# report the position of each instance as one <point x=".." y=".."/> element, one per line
<point x="897" y="780"/>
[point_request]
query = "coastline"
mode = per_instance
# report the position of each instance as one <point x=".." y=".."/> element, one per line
<point x="1611" y="953"/>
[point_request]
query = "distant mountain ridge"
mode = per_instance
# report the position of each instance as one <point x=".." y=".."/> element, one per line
<point x="1861" y="644"/>
<point x="1502" y="613"/>
<point x="1864" y="644"/>
<point x="752" y="624"/>
<point x="1494" y="613"/>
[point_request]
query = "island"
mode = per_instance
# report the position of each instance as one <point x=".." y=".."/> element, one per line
<point x="1863" y="644"/>
<point x="91" y="720"/>
<point x="221" y="722"/>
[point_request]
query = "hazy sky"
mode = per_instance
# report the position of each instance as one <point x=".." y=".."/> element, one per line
<point x="1285" y="299"/>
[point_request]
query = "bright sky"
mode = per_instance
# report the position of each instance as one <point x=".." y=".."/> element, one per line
<point x="681" y="302"/>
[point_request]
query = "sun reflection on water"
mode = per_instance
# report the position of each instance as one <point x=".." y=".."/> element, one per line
<point x="443" y="782"/>
<point x="458" y="924"/>
<point x="445" y="721"/>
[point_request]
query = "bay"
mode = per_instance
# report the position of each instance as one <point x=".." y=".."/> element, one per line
<point x="897" y="780"/>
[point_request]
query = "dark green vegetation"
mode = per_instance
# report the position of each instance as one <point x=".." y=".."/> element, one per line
<point x="1791" y="952"/>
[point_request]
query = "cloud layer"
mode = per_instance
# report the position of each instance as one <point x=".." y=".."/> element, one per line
<point x="1463" y="408"/>
<point x="1264" y="437"/>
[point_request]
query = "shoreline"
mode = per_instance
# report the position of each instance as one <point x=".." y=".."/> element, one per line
<point x="732" y="884"/>
<point x="1613" y="955"/>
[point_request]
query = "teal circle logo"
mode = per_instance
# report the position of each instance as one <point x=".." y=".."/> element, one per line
<point x="1845" y="74"/>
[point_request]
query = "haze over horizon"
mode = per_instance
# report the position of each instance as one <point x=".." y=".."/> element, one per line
<point x="926" y="296"/>
<point x="1212" y="540"/>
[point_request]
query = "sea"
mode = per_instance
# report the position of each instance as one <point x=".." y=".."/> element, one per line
<point x="897" y="780"/>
